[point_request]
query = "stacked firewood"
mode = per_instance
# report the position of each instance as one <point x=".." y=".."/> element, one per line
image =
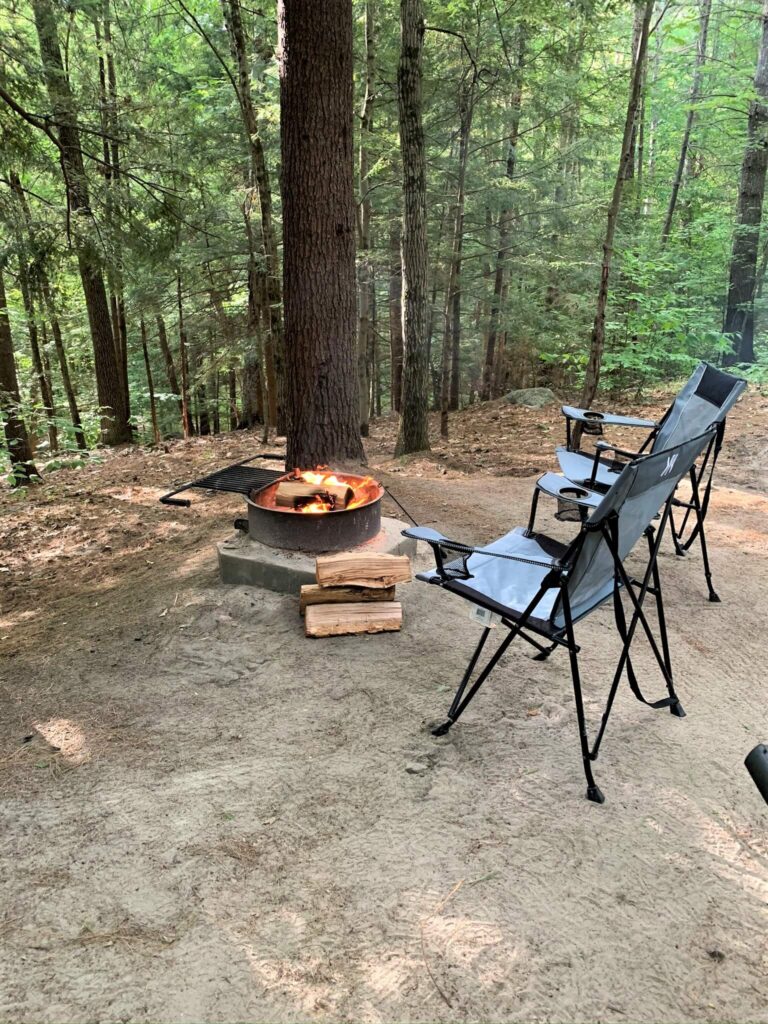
<point x="354" y="593"/>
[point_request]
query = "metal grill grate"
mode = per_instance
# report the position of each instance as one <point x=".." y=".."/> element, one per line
<point x="239" y="478"/>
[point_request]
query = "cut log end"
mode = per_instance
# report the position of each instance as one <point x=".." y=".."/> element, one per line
<point x="323" y="620"/>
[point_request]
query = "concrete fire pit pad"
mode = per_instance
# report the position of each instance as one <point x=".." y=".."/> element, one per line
<point x="246" y="562"/>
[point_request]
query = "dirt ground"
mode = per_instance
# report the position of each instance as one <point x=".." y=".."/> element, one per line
<point x="207" y="817"/>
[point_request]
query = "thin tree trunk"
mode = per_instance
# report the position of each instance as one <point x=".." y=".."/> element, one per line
<point x="115" y="426"/>
<point x="316" y="109"/>
<point x="150" y="385"/>
<point x="395" y="316"/>
<point x="597" y="339"/>
<point x="414" y="426"/>
<point x="449" y="390"/>
<point x="261" y="180"/>
<point x="61" y="355"/>
<point x="739" y="320"/>
<point x="170" y="369"/>
<point x="364" y="329"/>
<point x="232" y="384"/>
<point x="488" y="385"/>
<point x="186" y="418"/>
<point x="16" y="437"/>
<point x="698" y="76"/>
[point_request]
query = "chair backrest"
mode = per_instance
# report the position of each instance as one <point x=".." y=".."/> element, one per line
<point x="640" y="490"/>
<point x="707" y="397"/>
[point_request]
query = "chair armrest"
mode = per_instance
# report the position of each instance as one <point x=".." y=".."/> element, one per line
<point x="558" y="486"/>
<point x="592" y="416"/>
<point x="441" y="546"/>
<point x="605" y="446"/>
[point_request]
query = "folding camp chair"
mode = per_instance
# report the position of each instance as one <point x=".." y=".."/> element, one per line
<point x="539" y="587"/>
<point x="706" y="398"/>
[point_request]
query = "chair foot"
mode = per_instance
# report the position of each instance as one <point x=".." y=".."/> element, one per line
<point x="713" y="597"/>
<point x="677" y="710"/>
<point x="594" y="793"/>
<point x="441" y="730"/>
<point x="543" y="655"/>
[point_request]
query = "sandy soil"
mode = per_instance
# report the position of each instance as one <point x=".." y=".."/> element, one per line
<point x="207" y="817"/>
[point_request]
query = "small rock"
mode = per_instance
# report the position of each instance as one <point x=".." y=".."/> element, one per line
<point x="416" y="767"/>
<point x="532" y="398"/>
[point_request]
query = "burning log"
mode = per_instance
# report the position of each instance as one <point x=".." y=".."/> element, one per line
<point x="353" y="569"/>
<point x="312" y="594"/>
<point x="342" y="619"/>
<point x="295" y="493"/>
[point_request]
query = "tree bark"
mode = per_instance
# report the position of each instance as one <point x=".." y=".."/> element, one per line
<point x="701" y="56"/>
<point x="739" y="320"/>
<point x="115" y="428"/>
<point x="232" y="388"/>
<point x="43" y="378"/>
<point x="61" y="355"/>
<point x="316" y="108"/>
<point x="449" y="390"/>
<point x="16" y="437"/>
<point x="260" y="179"/>
<point x="414" y="426"/>
<point x="150" y="385"/>
<point x="170" y="369"/>
<point x="186" y="416"/>
<point x="364" y="328"/>
<point x="395" y="316"/>
<point x="597" y="339"/>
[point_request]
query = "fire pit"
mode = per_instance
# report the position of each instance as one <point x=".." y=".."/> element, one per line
<point x="315" y="511"/>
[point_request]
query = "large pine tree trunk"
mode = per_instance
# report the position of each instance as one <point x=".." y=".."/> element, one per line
<point x="739" y="320"/>
<point x="414" y="426"/>
<point x="16" y="438"/>
<point x="698" y="77"/>
<point x="115" y="428"/>
<point x="597" y="339"/>
<point x="315" y="41"/>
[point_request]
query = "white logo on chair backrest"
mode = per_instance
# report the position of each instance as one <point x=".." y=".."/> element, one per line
<point x="671" y="460"/>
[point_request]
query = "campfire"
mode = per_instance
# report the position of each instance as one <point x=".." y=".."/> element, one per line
<point x="318" y="491"/>
<point x="316" y="510"/>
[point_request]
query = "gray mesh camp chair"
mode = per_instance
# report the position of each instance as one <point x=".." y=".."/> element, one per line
<point x="540" y="587"/>
<point x="706" y="398"/>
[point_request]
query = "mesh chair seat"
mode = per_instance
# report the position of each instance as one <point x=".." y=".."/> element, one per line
<point x="502" y="586"/>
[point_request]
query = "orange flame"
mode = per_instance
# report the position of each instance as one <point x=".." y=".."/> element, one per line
<point x="364" y="490"/>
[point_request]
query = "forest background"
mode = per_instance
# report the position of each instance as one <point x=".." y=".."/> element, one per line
<point x="140" y="257"/>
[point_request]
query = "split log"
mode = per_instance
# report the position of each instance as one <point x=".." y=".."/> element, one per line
<point x="311" y="593"/>
<point x="359" y="569"/>
<point x="291" y="493"/>
<point x="343" y="619"/>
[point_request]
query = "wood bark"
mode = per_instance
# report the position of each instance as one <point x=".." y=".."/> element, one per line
<point x="170" y="368"/>
<point x="344" y="619"/>
<point x="365" y="338"/>
<point x="186" y="415"/>
<point x="395" y="316"/>
<point x="698" y="77"/>
<point x="501" y="273"/>
<point x="43" y="377"/>
<point x="61" y="355"/>
<point x="115" y="428"/>
<point x="234" y="418"/>
<point x="414" y="427"/>
<point x="449" y="390"/>
<point x="16" y="437"/>
<point x="739" y="320"/>
<point x="260" y="181"/>
<point x="150" y="384"/>
<point x="597" y="338"/>
<point x="316" y="109"/>
<point x="355" y="569"/>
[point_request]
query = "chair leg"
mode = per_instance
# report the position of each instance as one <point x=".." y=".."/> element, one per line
<point x="594" y="793"/>
<point x="676" y="708"/>
<point x="459" y="705"/>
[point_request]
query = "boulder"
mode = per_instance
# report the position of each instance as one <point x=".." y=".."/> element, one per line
<point x="533" y="398"/>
